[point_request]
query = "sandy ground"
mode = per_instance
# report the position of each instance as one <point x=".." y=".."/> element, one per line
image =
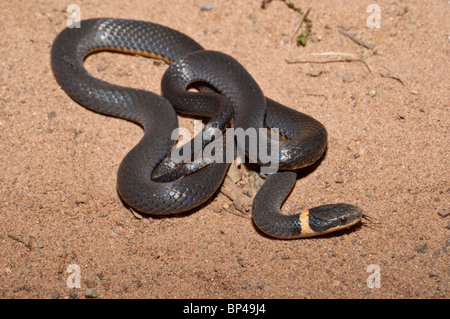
<point x="387" y="119"/>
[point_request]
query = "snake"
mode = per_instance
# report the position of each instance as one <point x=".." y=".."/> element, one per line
<point x="227" y="94"/>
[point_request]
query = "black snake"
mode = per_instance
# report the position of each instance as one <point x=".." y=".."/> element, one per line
<point x="229" y="91"/>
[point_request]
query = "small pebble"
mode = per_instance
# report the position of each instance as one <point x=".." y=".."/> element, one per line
<point x="285" y="256"/>
<point x="349" y="77"/>
<point x="421" y="247"/>
<point x="51" y="115"/>
<point x="55" y="295"/>
<point x="314" y="72"/>
<point x="40" y="244"/>
<point x="336" y="283"/>
<point x="73" y="295"/>
<point x="339" y="179"/>
<point x="207" y="6"/>
<point x="106" y="284"/>
<point x="316" y="39"/>
<point x="101" y="67"/>
<point x="260" y="285"/>
<point x="443" y="213"/>
<point x="252" y="17"/>
<point x="90" y="283"/>
<point x="91" y="293"/>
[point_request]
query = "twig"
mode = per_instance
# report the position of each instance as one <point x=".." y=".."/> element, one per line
<point x="265" y="3"/>
<point x="340" y="54"/>
<point x="392" y="75"/>
<point x="61" y="264"/>
<point x="301" y="39"/>
<point x="318" y="95"/>
<point x="356" y="39"/>
<point x="20" y="240"/>
<point x="341" y="57"/>
<point x="135" y="213"/>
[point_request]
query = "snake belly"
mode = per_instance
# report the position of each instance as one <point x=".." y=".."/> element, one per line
<point x="304" y="139"/>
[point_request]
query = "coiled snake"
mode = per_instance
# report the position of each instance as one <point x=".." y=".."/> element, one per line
<point x="229" y="91"/>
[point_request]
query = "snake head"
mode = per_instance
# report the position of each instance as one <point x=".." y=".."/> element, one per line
<point x="328" y="218"/>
